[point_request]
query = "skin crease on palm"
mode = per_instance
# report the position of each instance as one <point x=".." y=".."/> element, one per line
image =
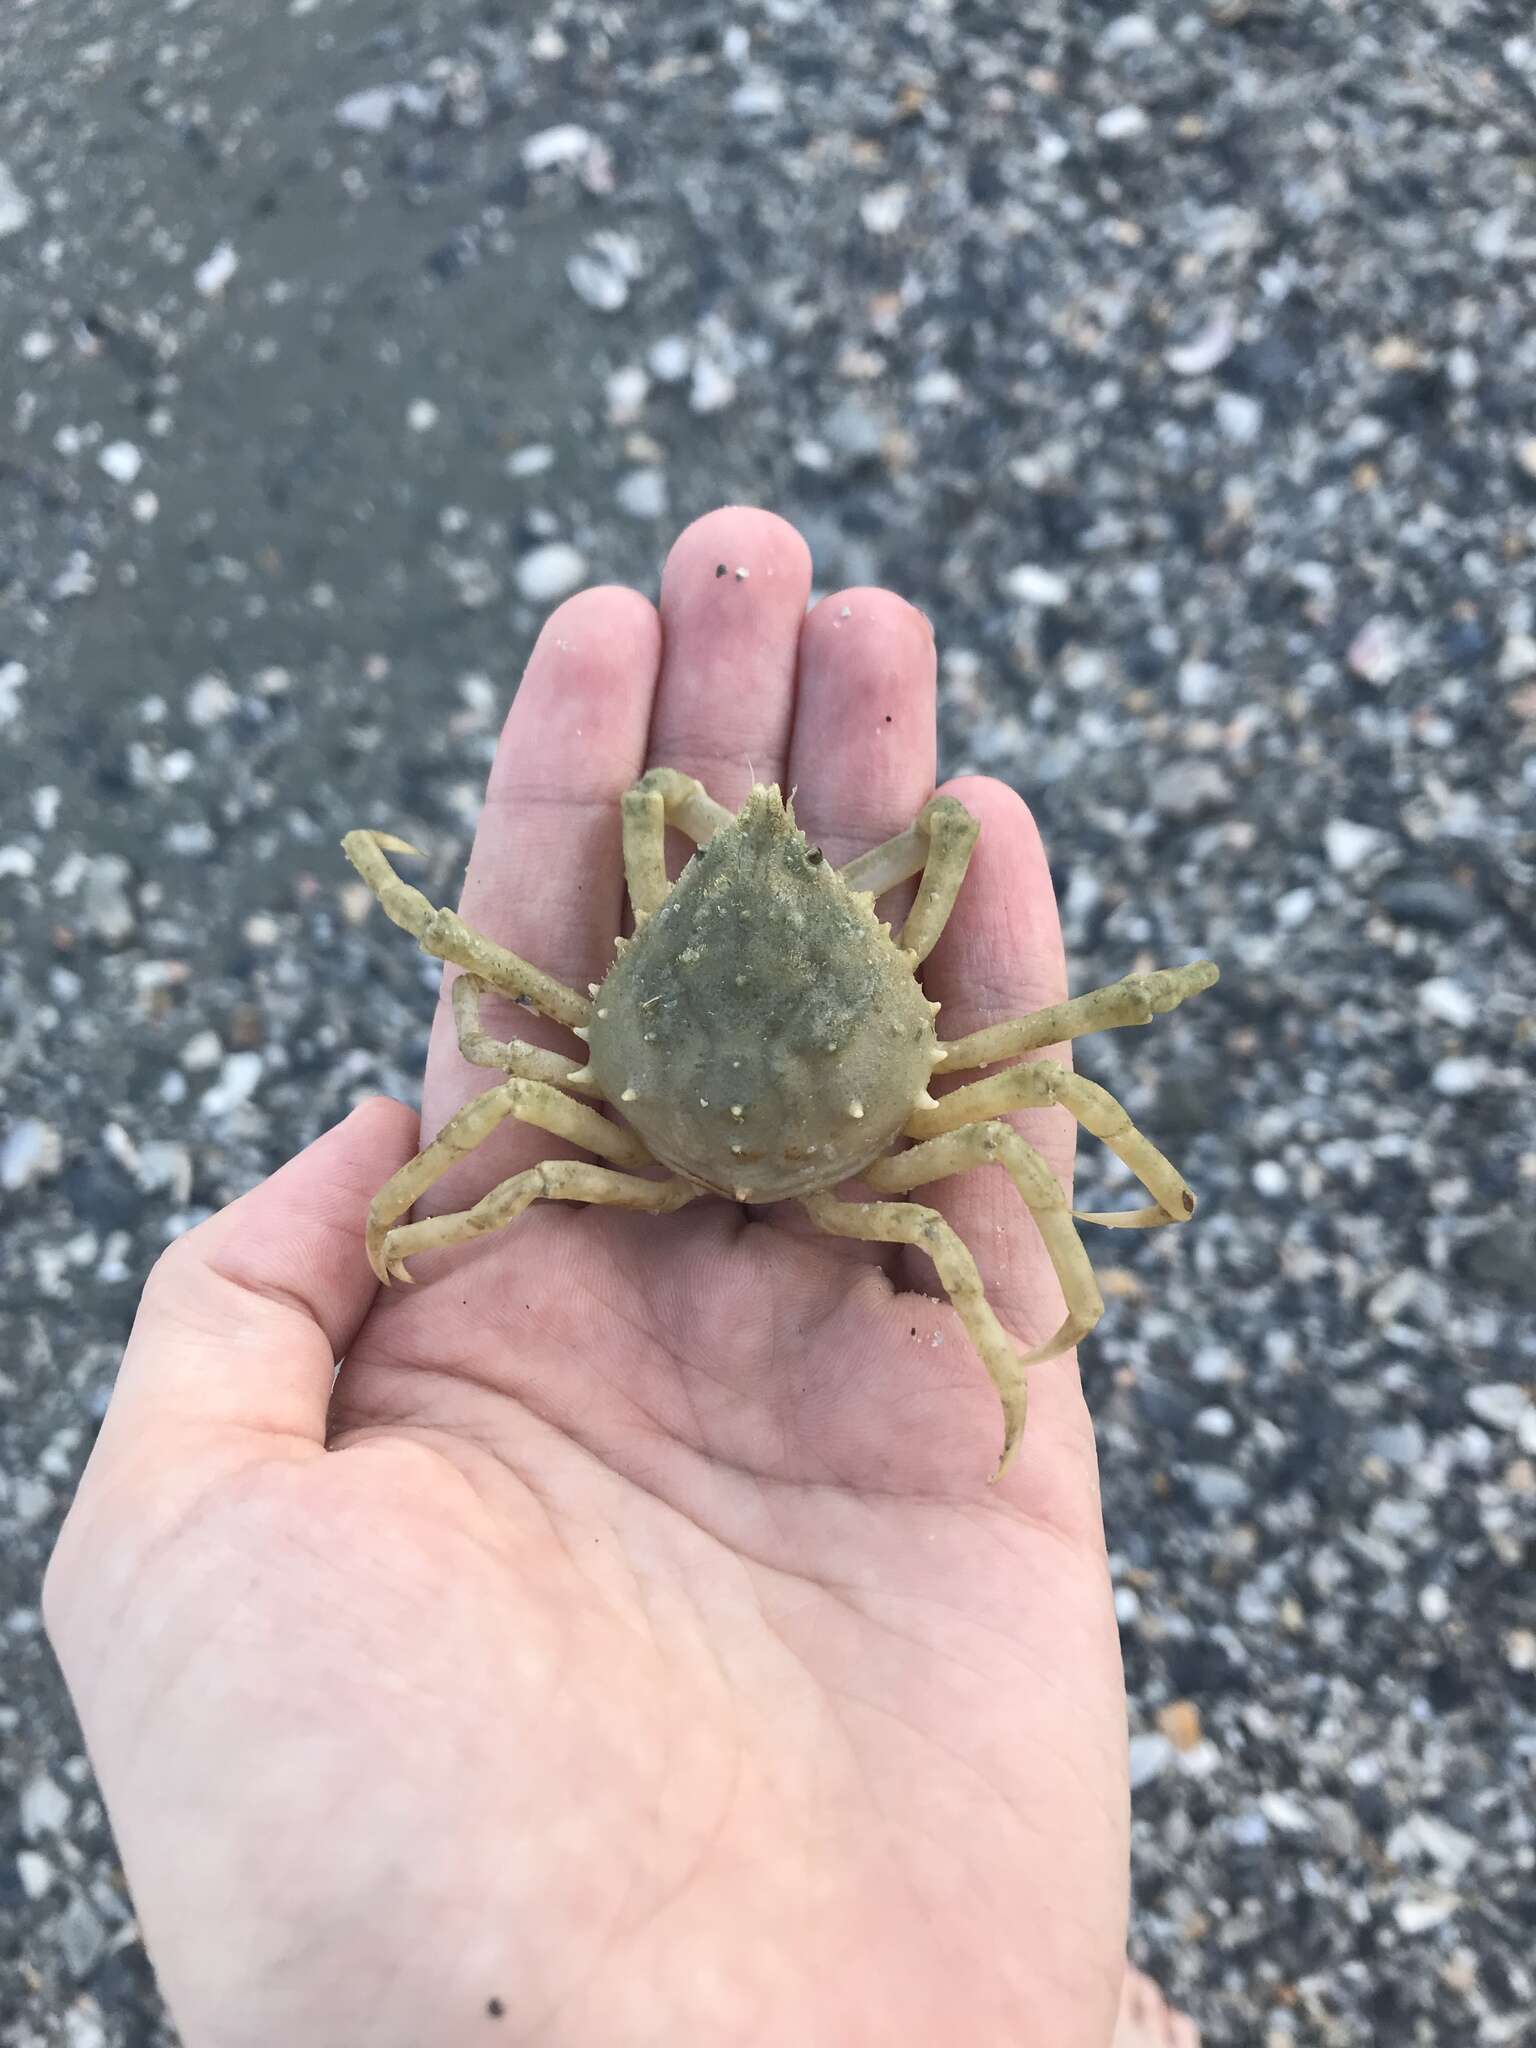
<point x="632" y="1650"/>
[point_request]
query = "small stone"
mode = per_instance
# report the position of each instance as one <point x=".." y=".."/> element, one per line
<point x="44" y="1808"/>
<point x="854" y="430"/>
<point x="1207" y="348"/>
<point x="421" y="415"/>
<point x="31" y="1151"/>
<point x="369" y="112"/>
<point x="670" y="359"/>
<point x="938" y="387"/>
<point x="1151" y="1754"/>
<point x="1500" y="1403"/>
<point x="1294" y="908"/>
<point x="1239" y="417"/>
<point x="1201" y="683"/>
<point x="1285" y="1813"/>
<point x="532" y="459"/>
<point x="163" y="1166"/>
<point x="1502" y="1258"/>
<point x="121" y="461"/>
<point x="1376" y="653"/>
<point x="1192" y="788"/>
<point x="1180" y="1722"/>
<point x="106" y="910"/>
<point x="1525" y="455"/>
<point x="13" y="680"/>
<point x="1434" y="1605"/>
<point x="36" y="1873"/>
<point x="1218" y="1422"/>
<point x="239" y="1078"/>
<point x="15" y="206"/>
<point x="81" y="1937"/>
<point x="216" y="270"/>
<point x="555" y="148"/>
<point x="1460" y="1076"/>
<point x="1349" y="846"/>
<point x="1419" y="1911"/>
<point x="1427" y="901"/>
<point x="83" y="2026"/>
<point x="1121" y="124"/>
<point x="1218" y="1490"/>
<point x="713" y="387"/>
<point x="626" y="392"/>
<point x="883" y="211"/>
<point x="1425" y="1837"/>
<point x="757" y="99"/>
<point x="602" y="273"/>
<point x="551" y="572"/>
<point x="1448" y="1002"/>
<point x="1127" y="32"/>
<point x="642" y="494"/>
<point x="210" y="700"/>
<point x="1250" y="1830"/>
<point x="202" y="1052"/>
<point x="1032" y="584"/>
<point x="1271" y="1178"/>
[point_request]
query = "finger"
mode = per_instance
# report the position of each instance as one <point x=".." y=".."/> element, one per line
<point x="733" y="597"/>
<point x="243" y="1319"/>
<point x="862" y="753"/>
<point x="1001" y="956"/>
<point x="546" y="873"/>
<point x="861" y="763"/>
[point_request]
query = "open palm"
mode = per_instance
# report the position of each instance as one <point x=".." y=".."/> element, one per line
<point x="631" y="1649"/>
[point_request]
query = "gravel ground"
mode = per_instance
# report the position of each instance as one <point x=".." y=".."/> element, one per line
<point x="1181" y="368"/>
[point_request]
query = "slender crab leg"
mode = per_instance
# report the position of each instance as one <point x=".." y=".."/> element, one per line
<point x="512" y="1055"/>
<point x="1040" y="1084"/>
<point x="1135" y="1000"/>
<point x="444" y="934"/>
<point x="939" y="846"/>
<point x="910" y="1223"/>
<point x="661" y="798"/>
<point x="532" y="1102"/>
<point x="981" y="1145"/>
<point x="556" y="1180"/>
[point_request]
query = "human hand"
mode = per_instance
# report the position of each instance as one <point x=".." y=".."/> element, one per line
<point x="631" y="1648"/>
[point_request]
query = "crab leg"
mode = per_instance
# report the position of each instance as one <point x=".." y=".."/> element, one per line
<point x="662" y="797"/>
<point x="1040" y="1084"/>
<point x="981" y="1145"/>
<point x="910" y="1223"/>
<point x="939" y="845"/>
<point x="1135" y="1000"/>
<point x="556" y="1180"/>
<point x="444" y="934"/>
<point x="512" y="1055"/>
<point x="532" y="1102"/>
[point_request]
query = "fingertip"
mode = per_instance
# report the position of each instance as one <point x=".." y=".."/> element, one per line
<point x="719" y="545"/>
<point x="604" y="611"/>
<point x="862" y="755"/>
<point x="870" y="608"/>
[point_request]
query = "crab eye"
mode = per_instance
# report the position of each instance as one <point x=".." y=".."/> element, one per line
<point x="814" y="857"/>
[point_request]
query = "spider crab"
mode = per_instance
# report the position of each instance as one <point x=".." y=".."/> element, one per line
<point x="764" y="1037"/>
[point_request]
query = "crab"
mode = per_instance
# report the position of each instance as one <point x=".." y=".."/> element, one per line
<point x="764" y="1037"/>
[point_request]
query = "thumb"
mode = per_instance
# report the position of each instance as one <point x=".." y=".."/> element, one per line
<point x="242" y="1320"/>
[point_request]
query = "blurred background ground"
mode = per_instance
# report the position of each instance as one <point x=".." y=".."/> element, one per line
<point x="1179" y="363"/>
